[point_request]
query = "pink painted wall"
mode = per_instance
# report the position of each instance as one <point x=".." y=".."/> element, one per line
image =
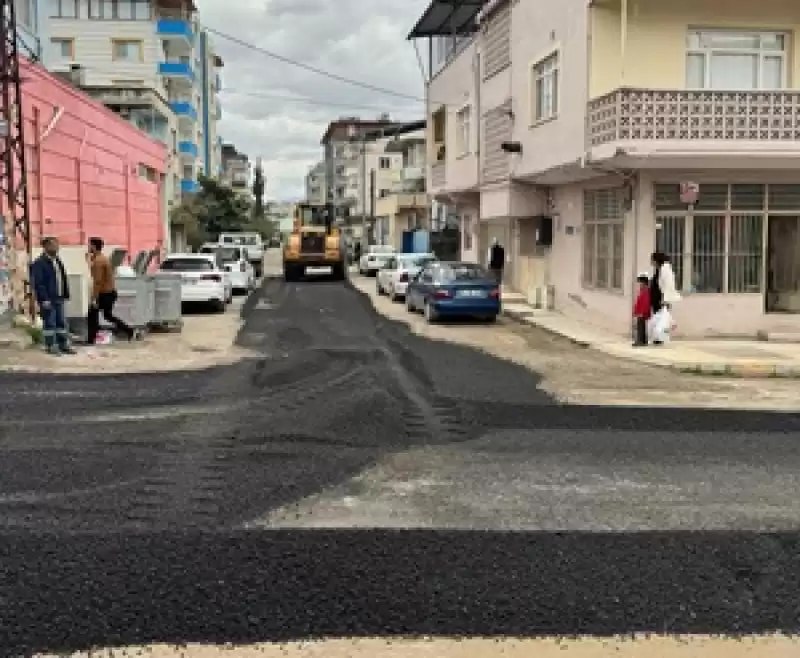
<point x="86" y="179"/>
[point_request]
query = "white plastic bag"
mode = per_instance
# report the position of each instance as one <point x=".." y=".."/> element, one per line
<point x="661" y="326"/>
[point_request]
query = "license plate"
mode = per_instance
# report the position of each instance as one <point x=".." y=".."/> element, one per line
<point x="471" y="293"/>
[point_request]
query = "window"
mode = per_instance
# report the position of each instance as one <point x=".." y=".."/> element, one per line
<point x="716" y="245"/>
<point x="63" y="48"/>
<point x="382" y="194"/>
<point x="736" y="60"/>
<point x="385" y="163"/>
<point x="126" y="50"/>
<point x="439" y="134"/>
<point x="63" y="8"/>
<point x="25" y="13"/>
<point x="463" y="130"/>
<point x="545" y="88"/>
<point x="603" y="239"/>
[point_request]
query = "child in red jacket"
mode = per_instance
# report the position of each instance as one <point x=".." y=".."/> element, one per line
<point x="642" y="310"/>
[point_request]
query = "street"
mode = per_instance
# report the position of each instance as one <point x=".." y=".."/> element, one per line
<point x="348" y="476"/>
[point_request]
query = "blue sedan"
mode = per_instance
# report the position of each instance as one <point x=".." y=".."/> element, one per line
<point x="444" y="289"/>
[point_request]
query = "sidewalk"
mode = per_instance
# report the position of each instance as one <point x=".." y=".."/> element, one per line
<point x="708" y="357"/>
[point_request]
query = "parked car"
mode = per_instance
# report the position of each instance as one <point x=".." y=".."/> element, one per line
<point x="392" y="279"/>
<point x="374" y="259"/>
<point x="252" y="241"/>
<point x="203" y="280"/>
<point x="450" y="289"/>
<point x="235" y="261"/>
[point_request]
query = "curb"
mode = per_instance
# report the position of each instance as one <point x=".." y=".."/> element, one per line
<point x="733" y="370"/>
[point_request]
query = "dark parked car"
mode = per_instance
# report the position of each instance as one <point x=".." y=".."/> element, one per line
<point x="454" y="289"/>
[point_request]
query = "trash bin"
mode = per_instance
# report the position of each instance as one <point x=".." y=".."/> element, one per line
<point x="134" y="301"/>
<point x="166" y="299"/>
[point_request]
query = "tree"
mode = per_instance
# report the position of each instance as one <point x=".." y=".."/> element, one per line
<point x="258" y="191"/>
<point x="212" y="210"/>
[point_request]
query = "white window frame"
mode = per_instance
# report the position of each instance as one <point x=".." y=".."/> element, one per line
<point x="694" y="48"/>
<point x="464" y="130"/>
<point x="546" y="74"/>
<point x="57" y="45"/>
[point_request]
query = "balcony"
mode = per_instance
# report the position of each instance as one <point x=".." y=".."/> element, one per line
<point x="188" y="149"/>
<point x="189" y="186"/>
<point x="723" y="117"/>
<point x="178" y="30"/>
<point x="184" y="109"/>
<point x="412" y="173"/>
<point x="176" y="70"/>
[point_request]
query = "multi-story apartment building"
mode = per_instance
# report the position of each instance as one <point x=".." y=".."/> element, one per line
<point x="587" y="134"/>
<point x="148" y="61"/>
<point x="346" y="176"/>
<point x="210" y="106"/>
<point x="236" y="169"/>
<point x="315" y="183"/>
<point x="398" y="183"/>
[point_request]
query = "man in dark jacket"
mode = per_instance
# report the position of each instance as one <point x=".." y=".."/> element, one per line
<point x="51" y="290"/>
<point x="497" y="260"/>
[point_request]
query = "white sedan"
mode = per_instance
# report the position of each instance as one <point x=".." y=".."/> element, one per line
<point x="235" y="262"/>
<point x="375" y="259"/>
<point x="393" y="278"/>
<point x="203" y="281"/>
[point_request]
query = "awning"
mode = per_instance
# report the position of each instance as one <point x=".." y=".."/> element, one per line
<point x="447" y="17"/>
<point x="395" y="131"/>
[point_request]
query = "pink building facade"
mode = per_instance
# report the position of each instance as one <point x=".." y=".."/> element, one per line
<point x="89" y="173"/>
<point x="590" y="116"/>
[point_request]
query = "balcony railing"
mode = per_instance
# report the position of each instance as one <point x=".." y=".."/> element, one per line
<point x="188" y="148"/>
<point x="177" y="70"/>
<point x="189" y="186"/>
<point x="184" y="109"/>
<point x="175" y="29"/>
<point x="438" y="175"/>
<point x="659" y="114"/>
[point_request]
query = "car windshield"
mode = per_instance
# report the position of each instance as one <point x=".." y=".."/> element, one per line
<point x="228" y="254"/>
<point x="416" y="261"/>
<point x="187" y="265"/>
<point x="463" y="272"/>
<point x="240" y="239"/>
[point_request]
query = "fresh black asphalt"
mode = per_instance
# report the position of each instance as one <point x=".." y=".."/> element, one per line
<point x="123" y="499"/>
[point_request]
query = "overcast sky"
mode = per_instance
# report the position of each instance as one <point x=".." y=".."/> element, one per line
<point x="360" y="39"/>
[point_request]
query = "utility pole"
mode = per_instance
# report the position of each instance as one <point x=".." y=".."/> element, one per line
<point x="364" y="234"/>
<point x="372" y="199"/>
<point x="13" y="176"/>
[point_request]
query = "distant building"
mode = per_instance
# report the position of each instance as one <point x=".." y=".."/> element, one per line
<point x="236" y="168"/>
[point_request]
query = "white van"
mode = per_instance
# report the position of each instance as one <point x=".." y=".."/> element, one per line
<point x="252" y="242"/>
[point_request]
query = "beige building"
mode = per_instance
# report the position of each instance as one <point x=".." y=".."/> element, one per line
<point x="600" y="119"/>
<point x="315" y="183"/>
<point x="400" y="203"/>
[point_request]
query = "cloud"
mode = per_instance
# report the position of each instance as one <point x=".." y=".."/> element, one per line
<point x="359" y="39"/>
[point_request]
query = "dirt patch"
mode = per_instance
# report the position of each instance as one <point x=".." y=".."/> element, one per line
<point x="662" y="647"/>
<point x="581" y="375"/>
<point x="204" y="342"/>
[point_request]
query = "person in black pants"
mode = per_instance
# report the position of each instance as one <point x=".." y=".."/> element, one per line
<point x="104" y="294"/>
<point x="497" y="260"/>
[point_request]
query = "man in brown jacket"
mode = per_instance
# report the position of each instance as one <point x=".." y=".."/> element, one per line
<point x="104" y="293"/>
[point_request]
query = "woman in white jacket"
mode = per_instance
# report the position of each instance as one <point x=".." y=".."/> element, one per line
<point x="663" y="289"/>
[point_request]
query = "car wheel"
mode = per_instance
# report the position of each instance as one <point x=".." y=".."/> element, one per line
<point x="491" y="319"/>
<point x="219" y="307"/>
<point x="409" y="304"/>
<point x="430" y="313"/>
<point x="378" y="288"/>
<point x="393" y="296"/>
